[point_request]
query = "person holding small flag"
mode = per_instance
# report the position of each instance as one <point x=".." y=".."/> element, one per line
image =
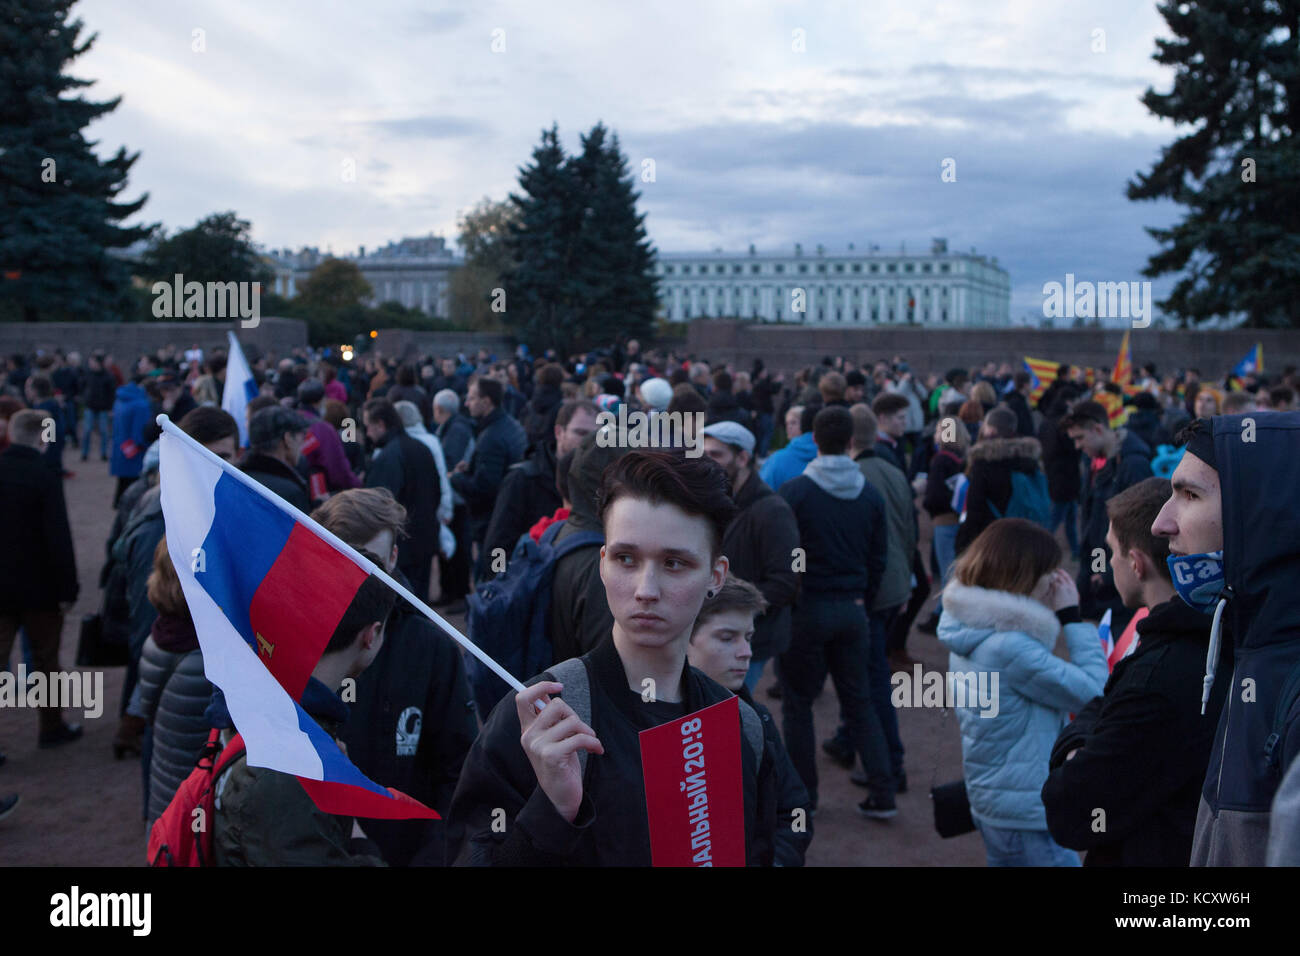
<point x="564" y="788"/>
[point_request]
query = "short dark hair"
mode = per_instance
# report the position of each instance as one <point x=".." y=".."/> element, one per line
<point x="698" y="486"/>
<point x="722" y="380"/>
<point x="41" y="385"/>
<point x="736" y="594"/>
<point x="1085" y="414"/>
<point x="570" y="408"/>
<point x="372" y="603"/>
<point x="1021" y="379"/>
<point x="686" y="398"/>
<point x="255" y="405"/>
<point x="887" y="403"/>
<point x="833" y="430"/>
<point x="1133" y="511"/>
<point x="383" y="411"/>
<point x="1280" y="395"/>
<point x="549" y="374"/>
<point x="206" y="424"/>
<point x="809" y="415"/>
<point x="1003" y="421"/>
<point x="490" y="389"/>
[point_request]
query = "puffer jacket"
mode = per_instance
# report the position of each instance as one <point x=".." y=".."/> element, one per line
<point x="172" y="694"/>
<point x="1005" y="749"/>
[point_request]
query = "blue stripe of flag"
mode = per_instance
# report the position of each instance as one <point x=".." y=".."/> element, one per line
<point x="247" y="535"/>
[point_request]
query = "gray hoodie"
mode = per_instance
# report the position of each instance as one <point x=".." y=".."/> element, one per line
<point x="837" y="475"/>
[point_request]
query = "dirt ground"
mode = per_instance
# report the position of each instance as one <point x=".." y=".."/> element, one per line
<point x="81" y="807"/>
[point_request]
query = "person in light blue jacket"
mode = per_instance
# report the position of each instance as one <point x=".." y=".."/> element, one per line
<point x="791" y="460"/>
<point x="1006" y="603"/>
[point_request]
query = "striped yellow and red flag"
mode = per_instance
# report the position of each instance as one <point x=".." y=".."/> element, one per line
<point x="1042" y="373"/>
<point x="1116" y="412"/>
<point x="1123" y="373"/>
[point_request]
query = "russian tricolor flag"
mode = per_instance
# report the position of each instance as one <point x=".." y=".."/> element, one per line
<point x="266" y="587"/>
<point x="240" y="389"/>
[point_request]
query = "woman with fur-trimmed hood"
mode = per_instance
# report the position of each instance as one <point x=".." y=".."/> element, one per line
<point x="998" y="454"/>
<point x="1007" y="601"/>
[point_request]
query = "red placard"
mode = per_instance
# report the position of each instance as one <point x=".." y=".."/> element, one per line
<point x="693" y="794"/>
<point x="309" y="444"/>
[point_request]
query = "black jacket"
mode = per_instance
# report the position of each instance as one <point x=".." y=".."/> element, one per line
<point x="405" y="466"/>
<point x="539" y="414"/>
<point x="611" y="828"/>
<point x="794" y="830"/>
<point x="992" y="463"/>
<point x="1061" y="462"/>
<point x="1024" y="418"/>
<point x="759" y="543"/>
<point x="527" y="494"/>
<point x="725" y="407"/>
<point x="457" y="437"/>
<point x="98" y="390"/>
<point x="410" y="727"/>
<point x="1131" y="464"/>
<point x="1143" y="749"/>
<point x="1146" y="425"/>
<point x="499" y="443"/>
<point x="280" y="478"/>
<point x="580" y="615"/>
<point x="944" y="468"/>
<point x="38" y="568"/>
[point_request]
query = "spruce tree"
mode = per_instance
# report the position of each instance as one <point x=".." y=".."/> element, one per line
<point x="537" y="288"/>
<point x="613" y="284"/>
<point x="1237" y="84"/>
<point x="59" y="212"/>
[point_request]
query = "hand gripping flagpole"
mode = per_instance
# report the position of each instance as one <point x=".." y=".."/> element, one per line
<point x="339" y="544"/>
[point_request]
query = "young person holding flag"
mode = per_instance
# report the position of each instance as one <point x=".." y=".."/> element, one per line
<point x="554" y="789"/>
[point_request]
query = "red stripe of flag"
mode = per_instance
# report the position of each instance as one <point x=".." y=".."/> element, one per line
<point x="348" y="801"/>
<point x="299" y="604"/>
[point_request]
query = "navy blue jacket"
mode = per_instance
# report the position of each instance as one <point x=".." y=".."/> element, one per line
<point x="844" y="539"/>
<point x="1259" y="729"/>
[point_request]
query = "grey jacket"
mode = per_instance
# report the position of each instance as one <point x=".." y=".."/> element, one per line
<point x="900" y="525"/>
<point x="172" y="694"/>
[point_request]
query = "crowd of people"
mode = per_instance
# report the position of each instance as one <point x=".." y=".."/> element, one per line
<point x="1145" y="522"/>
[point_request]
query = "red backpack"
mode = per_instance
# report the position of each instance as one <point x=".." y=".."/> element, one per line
<point x="182" y="836"/>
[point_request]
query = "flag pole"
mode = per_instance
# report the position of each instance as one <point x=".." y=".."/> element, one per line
<point x="342" y="546"/>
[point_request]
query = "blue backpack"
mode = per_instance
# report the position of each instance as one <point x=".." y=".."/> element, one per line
<point x="1029" y="499"/>
<point x="509" y="617"/>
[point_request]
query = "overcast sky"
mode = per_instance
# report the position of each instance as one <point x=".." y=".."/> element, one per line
<point x="753" y="141"/>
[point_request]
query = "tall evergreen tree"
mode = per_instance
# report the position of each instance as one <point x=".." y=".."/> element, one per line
<point x="58" y="210"/>
<point x="582" y="265"/>
<point x="614" y="287"/>
<point x="1237" y="83"/>
<point x="541" y="248"/>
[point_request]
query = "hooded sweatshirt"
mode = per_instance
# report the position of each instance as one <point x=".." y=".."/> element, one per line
<point x="842" y="529"/>
<point x="1259" y="729"/>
